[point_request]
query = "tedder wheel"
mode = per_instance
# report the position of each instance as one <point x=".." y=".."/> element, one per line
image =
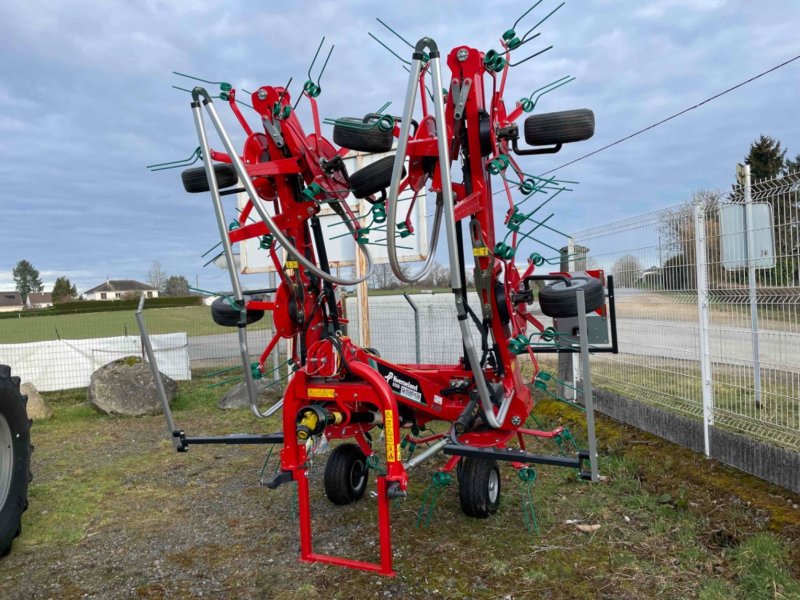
<point x="226" y="315"/>
<point x="559" y="127"/>
<point x="15" y="456"/>
<point x="373" y="178"/>
<point x="479" y="486"/>
<point x="346" y="474"/>
<point x="559" y="300"/>
<point x="195" y="180"/>
<point x="360" y="136"/>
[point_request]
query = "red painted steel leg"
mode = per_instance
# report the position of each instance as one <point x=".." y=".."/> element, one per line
<point x="306" y="547"/>
<point x="384" y="528"/>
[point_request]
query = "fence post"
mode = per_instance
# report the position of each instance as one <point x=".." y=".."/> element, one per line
<point x="416" y="326"/>
<point x="701" y="270"/>
<point x="751" y="279"/>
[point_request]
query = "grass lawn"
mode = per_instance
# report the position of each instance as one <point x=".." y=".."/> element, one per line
<point x="194" y="320"/>
<point x="114" y="512"/>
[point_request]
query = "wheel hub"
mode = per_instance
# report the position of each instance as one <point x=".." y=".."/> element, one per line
<point x="6" y="460"/>
<point x="494" y="488"/>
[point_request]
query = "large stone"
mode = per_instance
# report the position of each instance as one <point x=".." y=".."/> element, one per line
<point x="127" y="387"/>
<point x="36" y="406"/>
<point x="237" y="396"/>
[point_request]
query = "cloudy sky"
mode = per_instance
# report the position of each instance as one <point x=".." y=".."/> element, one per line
<point x="86" y="103"/>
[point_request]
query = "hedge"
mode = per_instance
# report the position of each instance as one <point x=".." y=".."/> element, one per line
<point x="90" y="306"/>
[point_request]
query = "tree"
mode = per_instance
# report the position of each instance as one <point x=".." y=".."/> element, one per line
<point x="63" y="290"/>
<point x="176" y="285"/>
<point x="156" y="276"/>
<point x="439" y="276"/>
<point x="627" y="271"/>
<point x="792" y="166"/>
<point x="766" y="158"/>
<point x="26" y="278"/>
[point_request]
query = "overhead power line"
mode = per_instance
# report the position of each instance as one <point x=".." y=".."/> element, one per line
<point x="678" y="114"/>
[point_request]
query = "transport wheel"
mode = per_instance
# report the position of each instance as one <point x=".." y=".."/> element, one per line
<point x="15" y="455"/>
<point x="195" y="180"/>
<point x="559" y="300"/>
<point x="364" y="137"/>
<point x="479" y="486"/>
<point x="226" y="315"/>
<point x="346" y="474"/>
<point x="559" y="127"/>
<point x="373" y="178"/>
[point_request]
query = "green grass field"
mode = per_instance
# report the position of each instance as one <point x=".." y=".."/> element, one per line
<point x="194" y="320"/>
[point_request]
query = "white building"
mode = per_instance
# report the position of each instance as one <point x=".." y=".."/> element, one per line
<point x="118" y="289"/>
<point x="10" y="302"/>
<point x="39" y="300"/>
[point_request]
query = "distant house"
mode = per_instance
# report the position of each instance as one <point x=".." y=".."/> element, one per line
<point x="117" y="289"/>
<point x="10" y="301"/>
<point x="39" y="300"/>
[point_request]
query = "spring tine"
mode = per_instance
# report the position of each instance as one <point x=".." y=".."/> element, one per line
<point x="213" y="259"/>
<point x="285" y="89"/>
<point x="203" y="255"/>
<point x="184" y="162"/>
<point x="550" y="14"/>
<point x="518" y="46"/>
<point x="409" y="44"/>
<point x="552" y="83"/>
<point x="311" y="66"/>
<point x="522" y="16"/>
<point x="519" y="62"/>
<point x="396" y="55"/>
<point x="197" y="78"/>
<point x="325" y="64"/>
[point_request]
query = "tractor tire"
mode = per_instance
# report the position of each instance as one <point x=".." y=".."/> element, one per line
<point x="15" y="457"/>
<point x="479" y="487"/>
<point x="195" y="180"/>
<point x="346" y="474"/>
<point x="373" y="178"/>
<point x="559" y="300"/>
<point x="360" y="136"/>
<point x="559" y="127"/>
<point x="226" y="315"/>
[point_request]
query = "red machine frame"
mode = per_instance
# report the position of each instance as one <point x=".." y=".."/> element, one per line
<point x="343" y="391"/>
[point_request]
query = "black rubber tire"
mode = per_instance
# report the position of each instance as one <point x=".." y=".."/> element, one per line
<point x="226" y="315"/>
<point x="558" y="300"/>
<point x="373" y="178"/>
<point x="560" y="127"/>
<point x="12" y="410"/>
<point x="479" y="487"/>
<point x="346" y="474"/>
<point x="361" y="137"/>
<point x="195" y="180"/>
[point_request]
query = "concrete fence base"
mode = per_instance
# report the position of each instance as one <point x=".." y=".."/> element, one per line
<point x="768" y="462"/>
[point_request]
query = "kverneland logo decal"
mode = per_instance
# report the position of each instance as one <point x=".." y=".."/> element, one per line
<point x="402" y="385"/>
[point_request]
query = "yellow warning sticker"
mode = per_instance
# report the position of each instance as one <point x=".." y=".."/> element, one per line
<point x="480" y="251"/>
<point x="290" y="264"/>
<point x="392" y="450"/>
<point x="321" y="392"/>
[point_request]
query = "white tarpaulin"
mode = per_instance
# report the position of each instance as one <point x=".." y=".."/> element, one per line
<point x="65" y="364"/>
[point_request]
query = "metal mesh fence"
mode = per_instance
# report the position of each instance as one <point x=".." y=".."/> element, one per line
<point x="61" y="351"/>
<point x="682" y="300"/>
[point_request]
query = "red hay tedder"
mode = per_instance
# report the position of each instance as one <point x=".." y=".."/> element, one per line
<point x="342" y="391"/>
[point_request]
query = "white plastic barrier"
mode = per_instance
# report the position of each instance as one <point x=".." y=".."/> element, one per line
<point x="66" y="364"/>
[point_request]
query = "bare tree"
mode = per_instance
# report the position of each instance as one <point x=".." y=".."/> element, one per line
<point x="627" y="271"/>
<point x="156" y="276"/>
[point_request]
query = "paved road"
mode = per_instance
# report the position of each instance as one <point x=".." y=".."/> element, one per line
<point x="392" y="327"/>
